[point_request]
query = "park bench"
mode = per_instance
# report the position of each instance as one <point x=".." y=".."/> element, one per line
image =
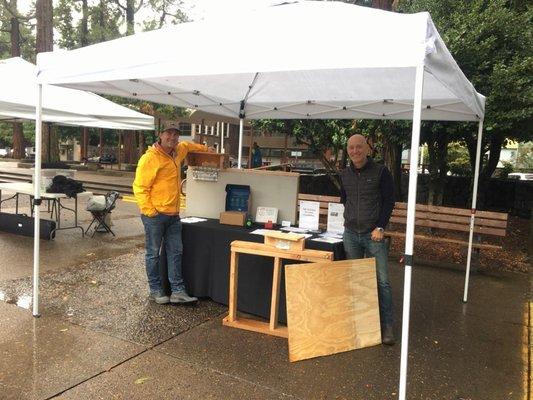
<point x="430" y="221"/>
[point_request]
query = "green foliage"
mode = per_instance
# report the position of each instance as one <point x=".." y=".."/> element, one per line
<point x="27" y="38"/>
<point x="458" y="161"/>
<point x="168" y="12"/>
<point x="524" y="157"/>
<point x="491" y="42"/>
<point x="506" y="169"/>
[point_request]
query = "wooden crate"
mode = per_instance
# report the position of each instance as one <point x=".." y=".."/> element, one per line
<point x="204" y="159"/>
<point x="284" y="241"/>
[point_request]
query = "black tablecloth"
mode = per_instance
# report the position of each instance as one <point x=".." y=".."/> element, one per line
<point x="206" y="260"/>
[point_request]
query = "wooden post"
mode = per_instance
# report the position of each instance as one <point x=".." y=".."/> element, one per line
<point x="233" y="283"/>
<point x="274" y="303"/>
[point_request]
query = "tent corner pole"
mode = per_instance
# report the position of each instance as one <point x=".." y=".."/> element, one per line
<point x="37" y="199"/>
<point x="410" y="226"/>
<point x="473" y="210"/>
<point x="241" y="131"/>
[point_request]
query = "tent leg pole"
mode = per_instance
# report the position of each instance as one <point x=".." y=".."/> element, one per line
<point x="241" y="130"/>
<point x="410" y="227"/>
<point x="37" y="199"/>
<point x="473" y="210"/>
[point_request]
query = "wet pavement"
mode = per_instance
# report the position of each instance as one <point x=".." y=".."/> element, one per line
<point x="100" y="338"/>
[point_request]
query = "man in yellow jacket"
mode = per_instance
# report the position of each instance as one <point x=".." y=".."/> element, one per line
<point x="156" y="189"/>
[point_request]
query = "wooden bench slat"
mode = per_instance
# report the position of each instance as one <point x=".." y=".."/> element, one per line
<point x="454" y="211"/>
<point x="451" y="226"/>
<point x="446" y="240"/>
<point x="316" y="197"/>
<point x="452" y="218"/>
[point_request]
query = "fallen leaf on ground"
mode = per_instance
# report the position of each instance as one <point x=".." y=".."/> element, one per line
<point x="140" y="381"/>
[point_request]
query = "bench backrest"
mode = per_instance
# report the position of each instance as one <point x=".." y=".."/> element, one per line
<point x="452" y="219"/>
<point x="447" y="218"/>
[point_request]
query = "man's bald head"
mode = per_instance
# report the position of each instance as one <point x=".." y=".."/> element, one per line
<point x="358" y="150"/>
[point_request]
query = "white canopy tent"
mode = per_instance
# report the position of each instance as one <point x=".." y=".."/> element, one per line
<point x="62" y="105"/>
<point x="299" y="60"/>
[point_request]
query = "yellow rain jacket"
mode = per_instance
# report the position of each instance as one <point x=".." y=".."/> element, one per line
<point x="158" y="177"/>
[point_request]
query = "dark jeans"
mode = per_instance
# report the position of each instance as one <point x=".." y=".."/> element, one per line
<point x="157" y="228"/>
<point x="359" y="245"/>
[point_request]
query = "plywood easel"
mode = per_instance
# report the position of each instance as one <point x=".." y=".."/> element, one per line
<point x="331" y="307"/>
<point x="279" y="246"/>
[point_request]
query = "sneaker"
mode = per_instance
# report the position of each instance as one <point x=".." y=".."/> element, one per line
<point x="182" y="298"/>
<point x="160" y="298"/>
<point x="387" y="336"/>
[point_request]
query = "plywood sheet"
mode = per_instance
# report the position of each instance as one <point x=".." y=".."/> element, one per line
<point x="269" y="189"/>
<point x="331" y="307"/>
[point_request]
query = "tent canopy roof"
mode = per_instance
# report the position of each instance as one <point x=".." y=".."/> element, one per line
<point x="60" y="105"/>
<point x="304" y="59"/>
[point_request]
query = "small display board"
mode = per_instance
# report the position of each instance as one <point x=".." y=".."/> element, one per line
<point x="265" y="214"/>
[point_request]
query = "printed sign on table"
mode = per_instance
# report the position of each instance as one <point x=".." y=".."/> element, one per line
<point x="336" y="218"/>
<point x="309" y="214"/>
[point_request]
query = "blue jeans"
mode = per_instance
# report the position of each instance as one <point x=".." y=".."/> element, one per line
<point x="359" y="245"/>
<point x="157" y="228"/>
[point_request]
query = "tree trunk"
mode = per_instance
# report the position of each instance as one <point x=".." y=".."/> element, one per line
<point x="101" y="143"/>
<point x="45" y="34"/>
<point x="486" y="171"/>
<point x="142" y="145"/>
<point x="129" y="147"/>
<point x="18" y="134"/>
<point x="45" y="42"/>
<point x="130" y="17"/>
<point x="50" y="149"/>
<point x="84" y="144"/>
<point x="18" y="140"/>
<point x="84" y="30"/>
<point x="437" y="151"/>
<point x="382" y="4"/>
<point x="392" y="156"/>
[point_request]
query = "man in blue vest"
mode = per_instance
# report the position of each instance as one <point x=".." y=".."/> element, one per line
<point x="367" y="193"/>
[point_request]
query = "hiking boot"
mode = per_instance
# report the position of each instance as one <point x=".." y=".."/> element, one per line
<point x="182" y="298"/>
<point x="159" y="298"/>
<point x="387" y="336"/>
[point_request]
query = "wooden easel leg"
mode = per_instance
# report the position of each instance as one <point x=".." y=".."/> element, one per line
<point x="274" y="303"/>
<point x="233" y="282"/>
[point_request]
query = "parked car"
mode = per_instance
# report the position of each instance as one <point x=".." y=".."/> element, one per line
<point x="521" y="176"/>
<point x="4" y="153"/>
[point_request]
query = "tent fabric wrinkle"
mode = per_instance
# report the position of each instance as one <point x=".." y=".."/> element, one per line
<point x="60" y="105"/>
<point x="305" y="62"/>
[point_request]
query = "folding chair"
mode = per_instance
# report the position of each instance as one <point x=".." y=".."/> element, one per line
<point x="99" y="216"/>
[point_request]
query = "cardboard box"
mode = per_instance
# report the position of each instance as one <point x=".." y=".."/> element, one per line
<point x="237" y="218"/>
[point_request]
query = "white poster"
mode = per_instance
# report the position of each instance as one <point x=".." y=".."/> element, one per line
<point x="309" y="214"/>
<point x="265" y="214"/>
<point x="335" y="218"/>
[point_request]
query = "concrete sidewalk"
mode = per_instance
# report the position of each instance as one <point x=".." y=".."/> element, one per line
<point x="100" y="338"/>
